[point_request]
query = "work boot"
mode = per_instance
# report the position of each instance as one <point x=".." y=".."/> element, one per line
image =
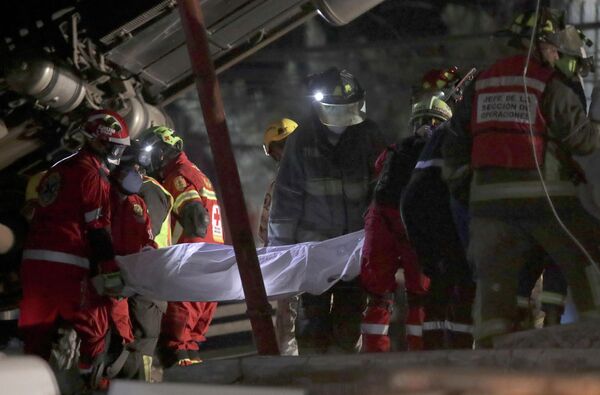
<point x="553" y="314"/>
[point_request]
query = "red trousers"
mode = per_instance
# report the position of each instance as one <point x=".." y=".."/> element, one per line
<point x="386" y="249"/>
<point x="120" y="320"/>
<point x="55" y="294"/>
<point x="185" y="324"/>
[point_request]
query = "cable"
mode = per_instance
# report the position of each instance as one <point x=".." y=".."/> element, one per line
<point x="534" y="150"/>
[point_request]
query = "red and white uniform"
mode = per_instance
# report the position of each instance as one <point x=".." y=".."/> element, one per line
<point x="74" y="197"/>
<point x="387" y="249"/>
<point x="131" y="231"/>
<point x="186" y="323"/>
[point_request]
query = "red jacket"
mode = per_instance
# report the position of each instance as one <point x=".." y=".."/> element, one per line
<point x="131" y="229"/>
<point x="74" y="196"/>
<point x="500" y="122"/>
<point x="186" y="183"/>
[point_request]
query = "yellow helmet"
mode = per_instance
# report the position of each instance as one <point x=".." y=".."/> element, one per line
<point x="31" y="192"/>
<point x="278" y="131"/>
<point x="430" y="106"/>
<point x="165" y="134"/>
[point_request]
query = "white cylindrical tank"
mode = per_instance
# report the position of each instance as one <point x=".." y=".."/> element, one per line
<point x="26" y="375"/>
<point x="52" y="85"/>
<point x="140" y="116"/>
<point x="342" y="12"/>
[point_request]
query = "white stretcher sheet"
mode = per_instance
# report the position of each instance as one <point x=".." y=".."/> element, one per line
<point x="208" y="272"/>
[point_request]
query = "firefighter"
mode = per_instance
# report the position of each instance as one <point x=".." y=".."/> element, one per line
<point x="287" y="308"/>
<point x="321" y="191"/>
<point x="69" y="241"/>
<point x="386" y="245"/>
<point x="197" y="217"/>
<point x="431" y="228"/>
<point x="510" y="133"/>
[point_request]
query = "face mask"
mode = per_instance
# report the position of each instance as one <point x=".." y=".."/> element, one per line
<point x="337" y="129"/>
<point x="424" y="131"/>
<point x="131" y="182"/>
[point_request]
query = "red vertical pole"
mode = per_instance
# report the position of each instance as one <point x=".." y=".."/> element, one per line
<point x="232" y="196"/>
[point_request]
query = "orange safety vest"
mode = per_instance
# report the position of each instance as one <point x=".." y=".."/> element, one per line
<point x="500" y="120"/>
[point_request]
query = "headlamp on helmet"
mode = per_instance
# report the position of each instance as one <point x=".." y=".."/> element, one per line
<point x="154" y="144"/>
<point x="338" y="98"/>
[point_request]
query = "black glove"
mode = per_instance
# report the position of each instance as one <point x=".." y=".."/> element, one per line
<point x="194" y="219"/>
<point x="394" y="176"/>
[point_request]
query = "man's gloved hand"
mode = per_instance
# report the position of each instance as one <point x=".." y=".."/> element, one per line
<point x="594" y="112"/>
<point x="194" y="219"/>
<point x="109" y="284"/>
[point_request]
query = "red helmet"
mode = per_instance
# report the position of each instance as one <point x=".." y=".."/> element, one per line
<point x="436" y="79"/>
<point x="107" y="125"/>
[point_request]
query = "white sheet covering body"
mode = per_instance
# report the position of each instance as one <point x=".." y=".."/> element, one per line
<point x="208" y="272"/>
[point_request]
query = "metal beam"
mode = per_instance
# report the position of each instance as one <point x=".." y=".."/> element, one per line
<point x="232" y="196"/>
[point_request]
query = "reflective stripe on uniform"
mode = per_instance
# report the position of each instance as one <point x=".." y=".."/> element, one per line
<point x="553" y="298"/>
<point x="374" y="329"/>
<point x="414" y="330"/>
<point x="494" y="82"/>
<point x="184" y="197"/>
<point x="423" y="164"/>
<point x="207" y="193"/>
<point x="434" y="325"/>
<point x="92" y="215"/>
<point x="458" y="327"/>
<point x="447" y="325"/>
<point x="56" y="256"/>
<point x="163" y="238"/>
<point x="324" y="186"/>
<point x="515" y="190"/>
<point x="522" y="301"/>
<point x="492" y="327"/>
<point x="336" y="187"/>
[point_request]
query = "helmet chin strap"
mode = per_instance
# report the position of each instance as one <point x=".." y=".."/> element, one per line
<point x="334" y="133"/>
<point x="337" y="129"/>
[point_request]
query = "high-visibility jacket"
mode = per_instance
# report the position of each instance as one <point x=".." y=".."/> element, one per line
<point x="159" y="203"/>
<point x="500" y="118"/>
<point x="74" y="197"/>
<point x="186" y="183"/>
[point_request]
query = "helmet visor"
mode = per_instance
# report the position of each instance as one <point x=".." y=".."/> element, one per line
<point x="115" y="152"/>
<point x="341" y="114"/>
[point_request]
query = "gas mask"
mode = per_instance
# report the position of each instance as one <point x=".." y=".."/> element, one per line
<point x="129" y="180"/>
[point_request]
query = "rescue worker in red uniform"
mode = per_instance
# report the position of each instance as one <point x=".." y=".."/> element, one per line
<point x="196" y="219"/>
<point x="505" y="138"/>
<point x="387" y="247"/>
<point x="131" y="231"/>
<point x="69" y="241"/>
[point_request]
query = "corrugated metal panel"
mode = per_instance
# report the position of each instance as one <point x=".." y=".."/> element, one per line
<point x="158" y="53"/>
